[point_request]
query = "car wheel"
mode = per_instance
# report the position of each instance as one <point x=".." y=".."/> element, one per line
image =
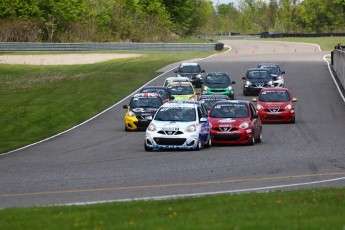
<point x="258" y="140"/>
<point x="198" y="145"/>
<point x="147" y="148"/>
<point x="293" y="120"/>
<point x="126" y="129"/>
<point x="252" y="139"/>
<point x="209" y="143"/>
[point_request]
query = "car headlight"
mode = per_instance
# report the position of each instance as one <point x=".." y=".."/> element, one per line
<point x="229" y="88"/>
<point x="198" y="76"/>
<point x="131" y="114"/>
<point x="151" y="127"/>
<point x="289" y="107"/>
<point x="248" y="83"/>
<point x="270" y="83"/>
<point x="178" y="75"/>
<point x="259" y="107"/>
<point x="205" y="87"/>
<point x="191" y="128"/>
<point x="244" y="125"/>
<point x="279" y="78"/>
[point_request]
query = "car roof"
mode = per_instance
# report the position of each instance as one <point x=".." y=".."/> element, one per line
<point x="146" y="95"/>
<point x="232" y="101"/>
<point x="182" y="83"/>
<point x="268" y="64"/>
<point x="257" y="69"/>
<point x="213" y="96"/>
<point x="189" y="64"/>
<point x="173" y="104"/>
<point x="274" y="89"/>
<point x="177" y="78"/>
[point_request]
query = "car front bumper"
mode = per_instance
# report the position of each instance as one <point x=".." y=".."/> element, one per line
<point x="229" y="93"/>
<point x="285" y="116"/>
<point x="163" y="141"/>
<point x="237" y="137"/>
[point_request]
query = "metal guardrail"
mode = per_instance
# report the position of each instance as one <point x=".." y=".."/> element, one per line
<point x="36" y="46"/>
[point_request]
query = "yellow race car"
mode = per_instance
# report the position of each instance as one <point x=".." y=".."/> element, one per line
<point x="183" y="91"/>
<point x="140" y="111"/>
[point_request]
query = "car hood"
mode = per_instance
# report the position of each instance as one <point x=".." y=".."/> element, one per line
<point x="172" y="125"/>
<point x="185" y="97"/>
<point x="233" y="122"/>
<point x="255" y="81"/>
<point x="274" y="105"/>
<point x="189" y="75"/>
<point x="217" y="86"/>
<point x="144" y="111"/>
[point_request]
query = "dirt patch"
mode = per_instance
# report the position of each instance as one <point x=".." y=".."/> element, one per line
<point x="62" y="59"/>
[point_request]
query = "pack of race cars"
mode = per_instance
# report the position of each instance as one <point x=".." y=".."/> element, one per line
<point x="177" y="116"/>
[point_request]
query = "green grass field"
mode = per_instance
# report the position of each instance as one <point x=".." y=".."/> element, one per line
<point x="306" y="209"/>
<point x="39" y="101"/>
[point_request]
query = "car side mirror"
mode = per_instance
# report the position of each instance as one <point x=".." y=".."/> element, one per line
<point x="254" y="99"/>
<point x="203" y="119"/>
<point x="203" y="71"/>
<point x="125" y="106"/>
<point x="243" y="78"/>
<point x="294" y="99"/>
<point x="283" y="72"/>
<point x="172" y="97"/>
<point x="175" y="71"/>
<point x="233" y="82"/>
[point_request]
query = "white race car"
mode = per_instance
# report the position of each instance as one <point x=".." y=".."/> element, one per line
<point x="276" y="73"/>
<point x="178" y="126"/>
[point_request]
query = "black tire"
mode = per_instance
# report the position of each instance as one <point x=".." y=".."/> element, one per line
<point x="198" y="146"/>
<point x="258" y="140"/>
<point x="208" y="144"/>
<point x="147" y="148"/>
<point x="252" y="141"/>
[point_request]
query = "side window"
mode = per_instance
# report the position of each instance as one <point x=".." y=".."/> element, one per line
<point x="252" y="110"/>
<point x="200" y="113"/>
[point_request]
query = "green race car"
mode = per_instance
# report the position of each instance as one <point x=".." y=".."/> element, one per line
<point x="218" y="83"/>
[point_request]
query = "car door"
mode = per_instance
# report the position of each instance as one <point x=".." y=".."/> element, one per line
<point x="204" y="123"/>
<point x="256" y="122"/>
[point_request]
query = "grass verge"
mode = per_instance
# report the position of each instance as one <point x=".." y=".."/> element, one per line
<point x="304" y="209"/>
<point x="37" y="102"/>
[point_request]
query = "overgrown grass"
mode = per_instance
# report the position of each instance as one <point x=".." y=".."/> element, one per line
<point x="305" y="209"/>
<point x="326" y="43"/>
<point x="39" y="101"/>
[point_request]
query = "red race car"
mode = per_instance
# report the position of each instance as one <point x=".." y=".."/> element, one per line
<point x="234" y="122"/>
<point x="275" y="105"/>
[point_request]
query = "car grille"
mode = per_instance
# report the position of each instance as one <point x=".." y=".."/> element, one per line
<point x="169" y="141"/>
<point x="225" y="129"/>
<point x="274" y="117"/>
<point x="226" y="137"/>
<point x="218" y="91"/>
<point x="170" y="132"/>
<point x="273" y="109"/>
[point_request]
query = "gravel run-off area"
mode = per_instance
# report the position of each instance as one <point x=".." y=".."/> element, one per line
<point x="62" y="59"/>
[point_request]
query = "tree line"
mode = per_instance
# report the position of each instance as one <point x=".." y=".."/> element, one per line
<point x="161" y="20"/>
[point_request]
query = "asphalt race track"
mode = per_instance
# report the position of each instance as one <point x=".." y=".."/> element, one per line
<point x="99" y="162"/>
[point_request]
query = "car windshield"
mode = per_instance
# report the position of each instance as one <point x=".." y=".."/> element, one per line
<point x="189" y="69"/>
<point x="163" y="93"/>
<point x="217" y="79"/>
<point x="150" y="102"/>
<point x="175" y="80"/>
<point x="229" y="110"/>
<point x="257" y="74"/>
<point x="184" y="114"/>
<point x="274" y="96"/>
<point x="181" y="90"/>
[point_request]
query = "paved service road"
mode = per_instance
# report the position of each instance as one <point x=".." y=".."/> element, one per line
<point x="99" y="161"/>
